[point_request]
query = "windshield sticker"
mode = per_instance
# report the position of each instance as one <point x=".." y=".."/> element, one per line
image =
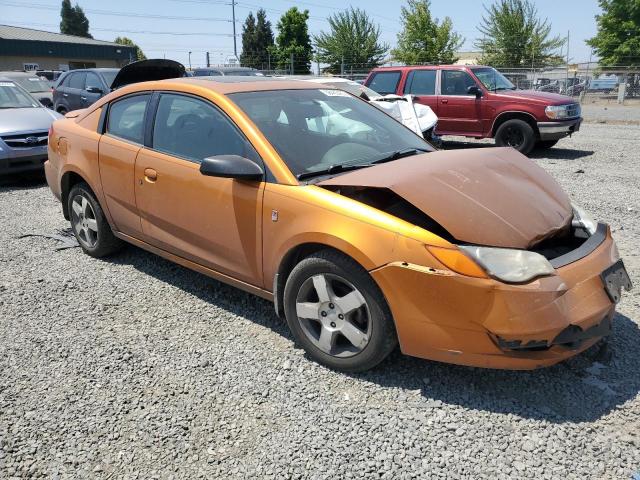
<point x="34" y="79"/>
<point x="7" y="84"/>
<point x="335" y="93"/>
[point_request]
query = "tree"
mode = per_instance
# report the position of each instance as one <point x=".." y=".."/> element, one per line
<point x="73" y="20"/>
<point x="353" y="39"/>
<point x="129" y="43"/>
<point x="247" y="57"/>
<point x="257" y="39"/>
<point x="293" y="42"/>
<point x="424" y="39"/>
<point x="514" y="36"/>
<point x="618" y="39"/>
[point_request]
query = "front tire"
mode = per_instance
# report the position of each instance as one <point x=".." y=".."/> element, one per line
<point x="517" y="134"/>
<point x="89" y="223"/>
<point x="337" y="313"/>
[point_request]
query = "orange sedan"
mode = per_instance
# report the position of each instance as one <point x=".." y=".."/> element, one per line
<point x="361" y="234"/>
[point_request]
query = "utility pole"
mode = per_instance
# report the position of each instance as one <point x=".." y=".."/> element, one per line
<point x="208" y="60"/>
<point x="566" y="84"/>
<point x="342" y="67"/>
<point x="190" y="60"/>
<point x="233" y="19"/>
<point x="292" y="63"/>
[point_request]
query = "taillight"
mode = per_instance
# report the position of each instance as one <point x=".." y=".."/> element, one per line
<point x="50" y="131"/>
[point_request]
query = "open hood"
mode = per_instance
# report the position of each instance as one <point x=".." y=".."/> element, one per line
<point x="148" y="70"/>
<point x="488" y="196"/>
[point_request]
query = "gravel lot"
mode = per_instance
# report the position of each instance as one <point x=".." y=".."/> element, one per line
<point x="132" y="367"/>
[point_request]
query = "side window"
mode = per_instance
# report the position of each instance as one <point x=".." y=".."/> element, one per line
<point x="421" y="82"/>
<point x="92" y="81"/>
<point x="385" y="82"/>
<point x="65" y="80"/>
<point x="126" y="118"/>
<point x="194" y="129"/>
<point x="456" y="82"/>
<point x="77" y="80"/>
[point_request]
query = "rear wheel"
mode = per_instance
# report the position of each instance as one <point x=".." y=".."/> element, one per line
<point x="89" y="224"/>
<point x="517" y="134"/>
<point x="337" y="313"/>
<point x="544" y="144"/>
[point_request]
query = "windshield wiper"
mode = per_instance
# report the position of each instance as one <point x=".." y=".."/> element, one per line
<point x="336" y="168"/>
<point x="407" y="152"/>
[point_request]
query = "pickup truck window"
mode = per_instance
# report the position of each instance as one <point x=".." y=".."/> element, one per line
<point x="456" y="82"/>
<point x="494" y="80"/>
<point x="421" y="82"/>
<point x="385" y="82"/>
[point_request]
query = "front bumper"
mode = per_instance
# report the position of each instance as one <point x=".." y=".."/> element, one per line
<point x="13" y="160"/>
<point x="444" y="316"/>
<point x="558" y="130"/>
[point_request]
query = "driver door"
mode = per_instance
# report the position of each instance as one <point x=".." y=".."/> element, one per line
<point x="215" y="222"/>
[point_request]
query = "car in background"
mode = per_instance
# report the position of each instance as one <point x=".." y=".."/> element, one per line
<point x="362" y="239"/>
<point x="35" y="85"/>
<point x="479" y="102"/>
<point x="50" y="75"/>
<point x="221" y="71"/>
<point x="24" y="126"/>
<point x="80" y="88"/>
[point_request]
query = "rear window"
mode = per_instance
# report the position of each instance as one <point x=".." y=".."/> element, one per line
<point x="421" y="82"/>
<point x="384" y="82"/>
<point x="126" y="118"/>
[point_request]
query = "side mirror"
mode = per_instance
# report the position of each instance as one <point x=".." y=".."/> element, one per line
<point x="231" y="166"/>
<point x="94" y="90"/>
<point x="474" y="90"/>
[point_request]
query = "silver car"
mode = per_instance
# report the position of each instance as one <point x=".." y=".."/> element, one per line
<point x="37" y="86"/>
<point x="24" y="129"/>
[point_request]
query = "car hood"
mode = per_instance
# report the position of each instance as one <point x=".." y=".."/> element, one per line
<point x="25" y="120"/>
<point x="148" y="70"/>
<point x="489" y="196"/>
<point x="547" y="98"/>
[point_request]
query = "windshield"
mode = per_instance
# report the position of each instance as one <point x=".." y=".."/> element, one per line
<point x="493" y="79"/>
<point x="33" y="84"/>
<point x="12" y="96"/>
<point x="109" y="76"/>
<point x="314" y="130"/>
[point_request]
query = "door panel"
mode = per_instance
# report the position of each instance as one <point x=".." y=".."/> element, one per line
<point x="215" y="222"/>
<point x="458" y="112"/>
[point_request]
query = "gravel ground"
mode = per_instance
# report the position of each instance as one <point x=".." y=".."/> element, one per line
<point x="132" y="367"/>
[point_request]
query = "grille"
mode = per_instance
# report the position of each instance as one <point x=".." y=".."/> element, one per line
<point x="26" y="140"/>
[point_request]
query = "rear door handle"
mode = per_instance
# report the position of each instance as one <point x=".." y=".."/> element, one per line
<point x="150" y="175"/>
<point x="444" y="100"/>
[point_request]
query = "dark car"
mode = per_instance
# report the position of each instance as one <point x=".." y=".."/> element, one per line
<point x="80" y="88"/>
<point x="221" y="71"/>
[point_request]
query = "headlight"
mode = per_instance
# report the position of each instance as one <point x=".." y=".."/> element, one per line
<point x="509" y="265"/>
<point x="582" y="219"/>
<point x="559" y="112"/>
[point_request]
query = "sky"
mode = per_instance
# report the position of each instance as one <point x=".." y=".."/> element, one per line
<point x="172" y="28"/>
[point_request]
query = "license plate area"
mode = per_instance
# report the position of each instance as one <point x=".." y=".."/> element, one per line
<point x="615" y="278"/>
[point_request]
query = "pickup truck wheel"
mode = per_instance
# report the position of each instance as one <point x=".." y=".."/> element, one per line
<point x="337" y="313"/>
<point x="89" y="224"/>
<point x="544" y="144"/>
<point x="517" y="134"/>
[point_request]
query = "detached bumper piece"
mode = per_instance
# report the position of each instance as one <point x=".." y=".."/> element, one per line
<point x="571" y="337"/>
<point x="558" y="130"/>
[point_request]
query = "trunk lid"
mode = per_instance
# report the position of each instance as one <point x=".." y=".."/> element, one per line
<point x="489" y="196"/>
<point x="148" y="70"/>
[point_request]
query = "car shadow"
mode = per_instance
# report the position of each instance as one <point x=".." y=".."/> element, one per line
<point x="22" y="181"/>
<point x="555" y="153"/>
<point x="582" y="389"/>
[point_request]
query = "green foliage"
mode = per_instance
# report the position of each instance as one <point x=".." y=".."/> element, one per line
<point x="514" y="36"/>
<point x="73" y="20"/>
<point x="129" y="43"/>
<point x="293" y="39"/>
<point x="618" y="39"/>
<point x="257" y="38"/>
<point x="424" y="39"/>
<point x="353" y="38"/>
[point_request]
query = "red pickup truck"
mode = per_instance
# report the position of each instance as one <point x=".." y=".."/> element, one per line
<point x="477" y="101"/>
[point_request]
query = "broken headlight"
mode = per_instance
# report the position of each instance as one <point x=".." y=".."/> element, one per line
<point x="509" y="265"/>
<point x="581" y="219"/>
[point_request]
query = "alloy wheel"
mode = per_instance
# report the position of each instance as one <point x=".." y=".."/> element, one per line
<point x="84" y="222"/>
<point x="334" y="315"/>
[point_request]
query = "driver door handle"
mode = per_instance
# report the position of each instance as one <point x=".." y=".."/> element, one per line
<point x="83" y="98"/>
<point x="150" y="175"/>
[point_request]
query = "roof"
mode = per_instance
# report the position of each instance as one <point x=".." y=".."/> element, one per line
<point x="231" y="84"/>
<point x="8" y="32"/>
<point x="226" y="69"/>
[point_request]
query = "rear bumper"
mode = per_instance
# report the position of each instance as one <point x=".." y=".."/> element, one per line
<point x="558" y="130"/>
<point x="486" y="323"/>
